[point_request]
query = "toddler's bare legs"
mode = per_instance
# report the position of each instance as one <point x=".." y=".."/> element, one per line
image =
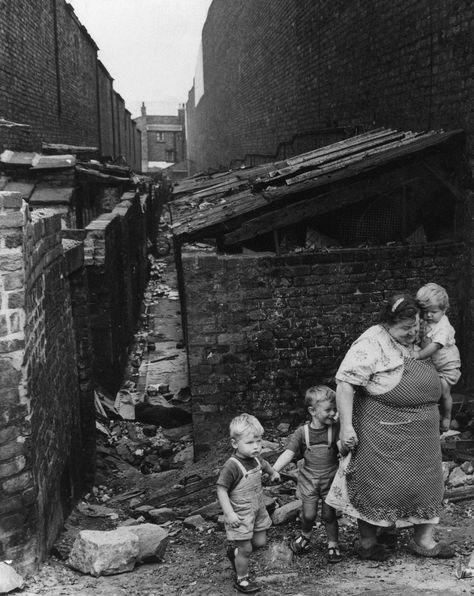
<point x="328" y="515"/>
<point x="308" y="515"/>
<point x="446" y="403"/>
<point x="244" y="550"/>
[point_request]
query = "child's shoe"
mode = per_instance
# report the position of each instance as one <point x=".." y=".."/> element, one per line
<point x="246" y="585"/>
<point x="301" y="545"/>
<point x="334" y="555"/>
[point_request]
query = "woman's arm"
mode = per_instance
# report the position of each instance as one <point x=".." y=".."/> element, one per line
<point x="345" y="401"/>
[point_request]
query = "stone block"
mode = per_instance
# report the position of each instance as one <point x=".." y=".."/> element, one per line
<point x="105" y="553"/>
<point x="152" y="541"/>
<point x="9" y="579"/>
<point x="286" y="513"/>
<point x="11" y="219"/>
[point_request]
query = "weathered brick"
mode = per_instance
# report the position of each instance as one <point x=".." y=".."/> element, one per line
<point x="12" y="467"/>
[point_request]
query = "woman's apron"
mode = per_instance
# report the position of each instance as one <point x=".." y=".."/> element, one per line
<point x="319" y="466"/>
<point x="395" y="471"/>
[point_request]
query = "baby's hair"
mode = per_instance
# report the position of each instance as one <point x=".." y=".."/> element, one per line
<point x="243" y="424"/>
<point x="318" y="394"/>
<point x="433" y="294"/>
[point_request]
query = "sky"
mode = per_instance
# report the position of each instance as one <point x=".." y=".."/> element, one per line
<point x="149" y="47"/>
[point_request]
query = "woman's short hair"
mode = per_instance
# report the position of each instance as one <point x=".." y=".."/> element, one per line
<point x="318" y="394"/>
<point x="243" y="424"/>
<point x="432" y="294"/>
<point x="399" y="308"/>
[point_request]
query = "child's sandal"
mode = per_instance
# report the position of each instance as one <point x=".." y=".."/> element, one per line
<point x="334" y="555"/>
<point x="246" y="585"/>
<point x="301" y="545"/>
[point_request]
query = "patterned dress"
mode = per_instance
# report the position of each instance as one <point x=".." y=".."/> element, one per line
<point x="394" y="475"/>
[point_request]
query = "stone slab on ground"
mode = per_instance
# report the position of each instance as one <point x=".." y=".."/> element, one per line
<point x="105" y="553"/>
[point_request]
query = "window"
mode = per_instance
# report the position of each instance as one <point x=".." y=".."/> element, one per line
<point x="160" y="136"/>
<point x="169" y="154"/>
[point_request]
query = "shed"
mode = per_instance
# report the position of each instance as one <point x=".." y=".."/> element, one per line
<point x="376" y="187"/>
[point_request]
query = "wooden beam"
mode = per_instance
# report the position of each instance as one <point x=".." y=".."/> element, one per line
<point x="335" y="199"/>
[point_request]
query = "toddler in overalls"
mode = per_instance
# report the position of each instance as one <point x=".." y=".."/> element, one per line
<point x="317" y="443"/>
<point x="240" y="494"/>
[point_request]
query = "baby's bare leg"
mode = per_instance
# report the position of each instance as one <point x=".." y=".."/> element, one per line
<point x="446" y="405"/>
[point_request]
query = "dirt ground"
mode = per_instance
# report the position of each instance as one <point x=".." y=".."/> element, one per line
<point x="195" y="561"/>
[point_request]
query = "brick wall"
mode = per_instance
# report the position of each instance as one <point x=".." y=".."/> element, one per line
<point x="52" y="81"/>
<point x="276" y="68"/>
<point x="115" y="258"/>
<point x="40" y="423"/>
<point x="261" y="329"/>
<point x="69" y="304"/>
<point x="17" y="484"/>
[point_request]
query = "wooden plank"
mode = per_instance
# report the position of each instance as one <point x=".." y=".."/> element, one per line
<point x="291" y="161"/>
<point x="462" y="493"/>
<point x="324" y="167"/>
<point x="364" y="166"/>
<point x="169" y="496"/>
<point x="317" y="205"/>
<point x="222" y="217"/>
<point x="332" y="152"/>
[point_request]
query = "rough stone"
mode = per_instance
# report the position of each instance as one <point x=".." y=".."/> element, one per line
<point x="457" y="477"/>
<point x="105" y="553"/>
<point x="196" y="522"/>
<point x="153" y="540"/>
<point x="283" y="428"/>
<point x="9" y="579"/>
<point x="286" y="513"/>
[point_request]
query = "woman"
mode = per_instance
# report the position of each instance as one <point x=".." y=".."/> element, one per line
<point x="389" y="416"/>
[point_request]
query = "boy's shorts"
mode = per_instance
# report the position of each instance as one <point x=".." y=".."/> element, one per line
<point x="253" y="521"/>
<point x="311" y="491"/>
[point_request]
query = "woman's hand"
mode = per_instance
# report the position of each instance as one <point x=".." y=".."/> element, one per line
<point x="348" y="437"/>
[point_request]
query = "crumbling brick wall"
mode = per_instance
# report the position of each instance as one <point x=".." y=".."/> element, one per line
<point x="276" y="68"/>
<point x="39" y="426"/>
<point x="116" y="262"/>
<point x="67" y="315"/>
<point x="261" y="329"/>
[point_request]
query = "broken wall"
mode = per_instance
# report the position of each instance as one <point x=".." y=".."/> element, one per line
<point x="261" y="329"/>
<point x="116" y="261"/>
<point x="299" y="72"/>
<point x="39" y="425"/>
<point x="70" y="300"/>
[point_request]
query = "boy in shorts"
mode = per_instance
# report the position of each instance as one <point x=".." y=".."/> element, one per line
<point x="240" y="494"/>
<point x="316" y="442"/>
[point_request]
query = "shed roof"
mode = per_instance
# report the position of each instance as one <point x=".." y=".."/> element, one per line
<point x="243" y="203"/>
